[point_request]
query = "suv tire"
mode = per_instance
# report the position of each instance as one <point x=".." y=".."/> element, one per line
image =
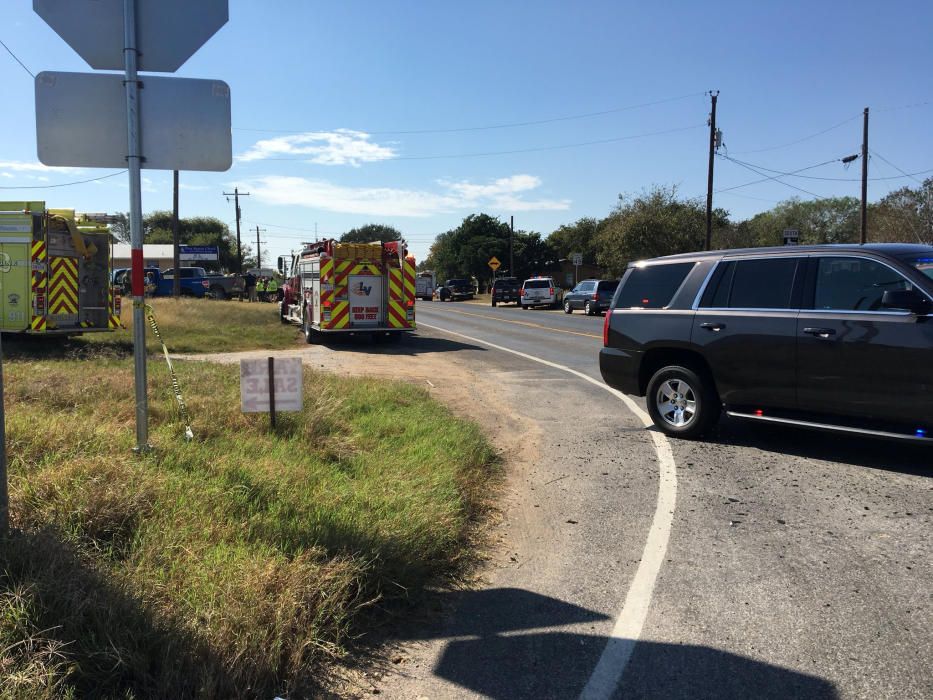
<point x="568" y="309"/>
<point x="588" y="309"/>
<point x="682" y="403"/>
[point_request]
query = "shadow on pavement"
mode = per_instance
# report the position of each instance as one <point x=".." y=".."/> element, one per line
<point x="408" y="345"/>
<point x="507" y="643"/>
<point x="888" y="455"/>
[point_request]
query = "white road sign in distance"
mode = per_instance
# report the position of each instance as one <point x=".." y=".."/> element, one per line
<point x="254" y="384"/>
<point x="168" y="32"/>
<point x="81" y="122"/>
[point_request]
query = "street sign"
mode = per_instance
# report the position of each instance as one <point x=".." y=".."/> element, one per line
<point x="198" y="252"/>
<point x="791" y="236"/>
<point x="494" y="263"/>
<point x="255" y="395"/>
<point x="168" y="32"/>
<point x="81" y="122"/>
<point x="576" y="258"/>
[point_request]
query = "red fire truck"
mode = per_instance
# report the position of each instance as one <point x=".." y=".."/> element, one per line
<point x="355" y="288"/>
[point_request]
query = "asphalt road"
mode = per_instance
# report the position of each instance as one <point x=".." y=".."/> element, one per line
<point x="797" y="564"/>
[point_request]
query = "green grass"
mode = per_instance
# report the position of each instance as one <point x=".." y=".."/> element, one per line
<point x="203" y="325"/>
<point x="231" y="566"/>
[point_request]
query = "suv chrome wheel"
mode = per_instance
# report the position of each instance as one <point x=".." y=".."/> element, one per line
<point x="676" y="402"/>
<point x="567" y="308"/>
<point x="682" y="401"/>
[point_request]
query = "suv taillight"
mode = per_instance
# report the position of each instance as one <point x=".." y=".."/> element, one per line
<point x="606" y="328"/>
<point x="521" y="292"/>
<point x="551" y="291"/>
<point x="595" y="296"/>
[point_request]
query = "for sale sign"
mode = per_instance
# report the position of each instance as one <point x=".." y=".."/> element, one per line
<point x="284" y="392"/>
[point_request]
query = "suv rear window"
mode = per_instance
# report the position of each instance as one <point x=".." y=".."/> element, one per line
<point x="505" y="283"/>
<point x="538" y="284"/>
<point x="652" y="287"/>
<point x="607" y="286"/>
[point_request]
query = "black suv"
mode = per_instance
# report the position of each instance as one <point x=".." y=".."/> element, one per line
<point x="505" y="289"/>
<point x="593" y="296"/>
<point x="833" y="337"/>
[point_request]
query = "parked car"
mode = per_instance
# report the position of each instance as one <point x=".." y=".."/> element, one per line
<point x="828" y="337"/>
<point x="505" y="289"/>
<point x="593" y="296"/>
<point x="455" y="289"/>
<point x="540" y="291"/>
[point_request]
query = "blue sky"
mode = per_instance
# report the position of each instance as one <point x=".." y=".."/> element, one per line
<point x="323" y="94"/>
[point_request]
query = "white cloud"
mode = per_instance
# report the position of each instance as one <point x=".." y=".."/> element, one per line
<point x="501" y="194"/>
<point x="21" y="166"/>
<point x="5" y="175"/>
<point x="340" y="147"/>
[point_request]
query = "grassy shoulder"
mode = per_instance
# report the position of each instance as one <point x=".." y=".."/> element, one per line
<point x="203" y="325"/>
<point x="230" y="566"/>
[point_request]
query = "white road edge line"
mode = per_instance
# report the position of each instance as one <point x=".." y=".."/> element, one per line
<point x="627" y="629"/>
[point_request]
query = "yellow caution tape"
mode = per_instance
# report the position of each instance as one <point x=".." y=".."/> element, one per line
<point x="189" y="434"/>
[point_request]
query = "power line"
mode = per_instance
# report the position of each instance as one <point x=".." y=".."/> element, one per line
<point x="64" y="184"/>
<point x="775" y="177"/>
<point x="508" y="125"/>
<point x="801" y="140"/>
<point x="768" y="178"/>
<point x="903" y="172"/>
<point x="524" y="150"/>
<point x="16" y="58"/>
<point x="828" y="179"/>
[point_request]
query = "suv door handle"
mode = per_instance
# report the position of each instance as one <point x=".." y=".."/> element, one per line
<point x="713" y="326"/>
<point x="820" y="332"/>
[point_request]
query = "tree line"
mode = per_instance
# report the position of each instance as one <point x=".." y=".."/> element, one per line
<point x="659" y="222"/>
<point x="655" y="222"/>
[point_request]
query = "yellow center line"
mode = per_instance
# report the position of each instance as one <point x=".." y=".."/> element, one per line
<point x="525" y="323"/>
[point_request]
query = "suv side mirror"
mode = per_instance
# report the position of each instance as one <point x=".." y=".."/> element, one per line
<point x="908" y="299"/>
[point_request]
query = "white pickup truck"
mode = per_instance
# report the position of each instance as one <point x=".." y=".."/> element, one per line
<point x="424" y="285"/>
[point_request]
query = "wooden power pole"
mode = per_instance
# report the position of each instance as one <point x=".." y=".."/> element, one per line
<point x="709" y="183"/>
<point x="865" y="178"/>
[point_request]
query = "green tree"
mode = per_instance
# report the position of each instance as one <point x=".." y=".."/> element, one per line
<point x="655" y="223"/>
<point x="829" y="220"/>
<point x="466" y="250"/>
<point x="370" y="233"/>
<point x="578" y="237"/>
<point x="905" y="215"/>
<point x="197" y="230"/>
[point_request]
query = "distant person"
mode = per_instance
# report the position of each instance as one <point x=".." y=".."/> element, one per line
<point x="250" y="286"/>
<point x="261" y="288"/>
<point x="272" y="290"/>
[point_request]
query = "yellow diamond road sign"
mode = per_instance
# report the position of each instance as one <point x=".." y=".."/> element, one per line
<point x="494" y="262"/>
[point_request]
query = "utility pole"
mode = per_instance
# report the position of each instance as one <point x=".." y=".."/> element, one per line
<point x="176" y="257"/>
<point x="709" y="184"/>
<point x="239" y="248"/>
<point x="511" y="236"/>
<point x="865" y="178"/>
<point x="258" y="250"/>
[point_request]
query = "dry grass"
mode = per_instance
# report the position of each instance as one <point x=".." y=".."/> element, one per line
<point x="232" y="566"/>
<point x="204" y="325"/>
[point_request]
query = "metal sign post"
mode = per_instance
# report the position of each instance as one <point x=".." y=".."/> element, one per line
<point x="158" y="36"/>
<point x="4" y="493"/>
<point x="577" y="259"/>
<point x="136" y="224"/>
